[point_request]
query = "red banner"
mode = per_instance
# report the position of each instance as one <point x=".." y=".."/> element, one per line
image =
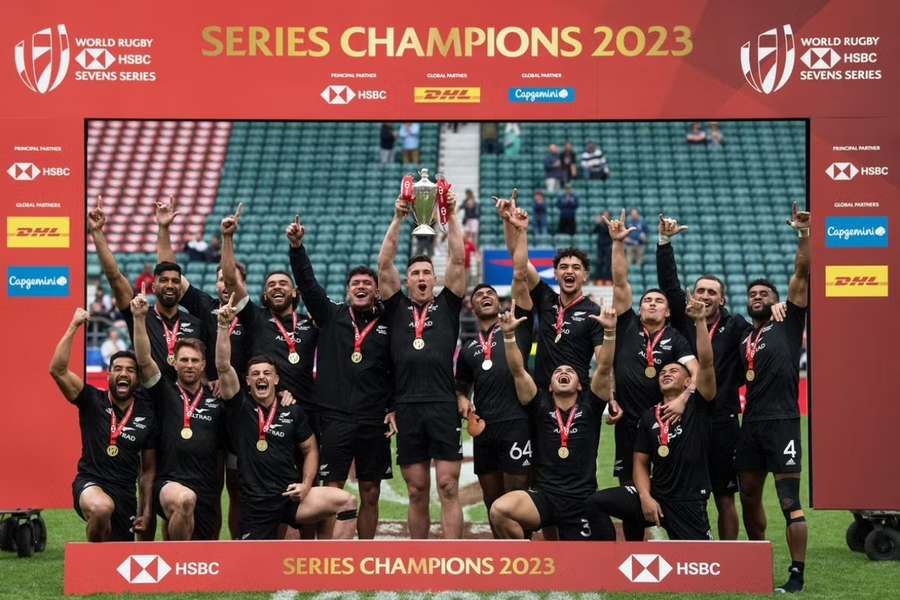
<point x="696" y="567"/>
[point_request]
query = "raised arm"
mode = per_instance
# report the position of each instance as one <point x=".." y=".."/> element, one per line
<point x="150" y="373"/>
<point x="229" y="384"/>
<point x="68" y="382"/>
<point x="165" y="215"/>
<point x="455" y="276"/>
<point x="601" y="381"/>
<point x="388" y="275"/>
<point x="515" y="229"/>
<point x="118" y="283"/>
<point x="798" y="289"/>
<point x="705" y="378"/>
<point x="228" y="263"/>
<point x="667" y="270"/>
<point x="621" y="288"/>
<point x="526" y="389"/>
<point x="314" y="296"/>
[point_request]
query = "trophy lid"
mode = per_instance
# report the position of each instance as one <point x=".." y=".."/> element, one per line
<point x="423" y="173"/>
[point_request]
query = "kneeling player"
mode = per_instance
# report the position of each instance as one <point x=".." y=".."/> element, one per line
<point x="267" y="438"/>
<point x="676" y="494"/>
<point x="566" y="435"/>
<point x="118" y="440"/>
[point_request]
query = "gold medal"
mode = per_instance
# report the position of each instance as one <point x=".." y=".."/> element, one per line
<point x="663" y="451"/>
<point x="112" y="450"/>
<point x="356" y="357"/>
<point x="171" y="359"/>
<point x="751" y="375"/>
<point x="418" y="343"/>
<point x="262" y="445"/>
<point x="486" y="365"/>
<point x="650" y="372"/>
<point x="186" y="433"/>
<point x="563" y="452"/>
<point x="557" y="338"/>
<point x="293" y="358"/>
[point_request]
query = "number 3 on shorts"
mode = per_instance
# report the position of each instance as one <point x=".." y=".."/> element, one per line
<point x="789" y="449"/>
<point x="517" y="453"/>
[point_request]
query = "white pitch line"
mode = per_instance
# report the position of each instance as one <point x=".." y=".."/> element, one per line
<point x="285" y="595"/>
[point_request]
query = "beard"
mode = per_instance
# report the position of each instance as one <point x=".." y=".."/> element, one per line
<point x="763" y="314"/>
<point x="121" y="397"/>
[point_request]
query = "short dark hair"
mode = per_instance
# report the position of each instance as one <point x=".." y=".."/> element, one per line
<point x="191" y="342"/>
<point x="571" y="251"/>
<point x="652" y="290"/>
<point x="262" y="298"/>
<point x="713" y="278"/>
<point x="765" y="282"/>
<point x="124" y="354"/>
<point x="361" y="270"/>
<point x="262" y="359"/>
<point x="241" y="267"/>
<point x="675" y="362"/>
<point x="482" y="286"/>
<point x="419" y="258"/>
<point x="166" y="266"/>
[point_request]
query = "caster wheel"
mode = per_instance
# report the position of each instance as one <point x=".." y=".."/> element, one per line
<point x="24" y="540"/>
<point x="883" y="544"/>
<point x="40" y="534"/>
<point x="8" y="535"/>
<point x="856" y="535"/>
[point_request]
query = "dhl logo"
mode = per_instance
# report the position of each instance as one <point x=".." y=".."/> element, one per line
<point x="447" y="95"/>
<point x="854" y="281"/>
<point x="37" y="232"/>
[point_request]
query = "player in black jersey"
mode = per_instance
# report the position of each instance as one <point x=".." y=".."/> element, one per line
<point x="166" y="324"/>
<point x="204" y="306"/>
<point x="673" y="437"/>
<point x="567" y="423"/>
<point x="118" y="444"/>
<point x="269" y="438"/>
<point x="645" y="343"/>
<point x="502" y="450"/>
<point x="424" y="332"/>
<point x="354" y="382"/>
<point x="192" y="430"/>
<point x="770" y="430"/>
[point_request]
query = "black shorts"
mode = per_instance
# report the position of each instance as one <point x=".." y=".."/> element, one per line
<point x="770" y="446"/>
<point x="428" y="430"/>
<point x="261" y="517"/>
<point x="567" y="514"/>
<point x="723" y="439"/>
<point x="504" y="446"/>
<point x="626" y="433"/>
<point x="207" y="511"/>
<point x="125" y="510"/>
<point x="685" y="519"/>
<point x="343" y="442"/>
<point x="682" y="520"/>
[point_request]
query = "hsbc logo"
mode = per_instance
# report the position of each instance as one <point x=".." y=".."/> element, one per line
<point x="95" y="59"/>
<point x="820" y="58"/>
<point x="26" y="171"/>
<point x="342" y="94"/>
<point x="845" y="171"/>
<point x="768" y="64"/>
<point x="645" y="568"/>
<point x="144" y="568"/>
<point x="42" y="63"/>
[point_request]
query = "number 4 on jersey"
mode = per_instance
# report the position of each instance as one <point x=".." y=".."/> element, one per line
<point x="789" y="449"/>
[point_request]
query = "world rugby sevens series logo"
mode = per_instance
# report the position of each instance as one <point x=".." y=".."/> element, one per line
<point x="43" y="64"/>
<point x="774" y="60"/>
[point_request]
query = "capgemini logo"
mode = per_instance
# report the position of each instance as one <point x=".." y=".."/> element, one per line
<point x="774" y="51"/>
<point x="43" y="64"/>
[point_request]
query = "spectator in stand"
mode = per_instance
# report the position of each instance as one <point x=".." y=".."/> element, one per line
<point x="196" y="248"/>
<point x="102" y="305"/>
<point x="553" y="169"/>
<point x="636" y="242"/>
<point x="696" y="135"/>
<point x="593" y="163"/>
<point x="569" y="163"/>
<point x="471" y="251"/>
<point x="567" y="203"/>
<point x="716" y="137"/>
<point x="386" y="144"/>
<point x="214" y="252"/>
<point x="490" y="138"/>
<point x="146" y="277"/>
<point x="113" y="343"/>
<point x="471" y="214"/>
<point x="539" y="210"/>
<point x="603" y="265"/>
<point x="409" y="140"/>
<point x="512" y="139"/>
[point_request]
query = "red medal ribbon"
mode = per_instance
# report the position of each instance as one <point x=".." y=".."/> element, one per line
<point x="115" y="430"/>
<point x="420" y="318"/>
<point x="663" y="427"/>
<point x="288" y="339"/>
<point x="406" y="188"/>
<point x="561" y="312"/>
<point x="359" y="336"/>
<point x="264" y="424"/>
<point x="488" y="345"/>
<point x="233" y="326"/>
<point x="564" y="429"/>
<point x="712" y="330"/>
<point x="443" y="187"/>
<point x="651" y="344"/>
<point x="171" y="334"/>
<point x="189" y="405"/>
<point x="752" y="345"/>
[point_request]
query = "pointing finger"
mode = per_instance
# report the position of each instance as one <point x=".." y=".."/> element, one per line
<point x="512" y="307"/>
<point x="515" y="195"/>
<point x="622" y="216"/>
<point x="237" y="213"/>
<point x="143" y="288"/>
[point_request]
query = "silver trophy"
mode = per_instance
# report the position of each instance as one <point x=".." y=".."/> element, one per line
<point x="425" y="193"/>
